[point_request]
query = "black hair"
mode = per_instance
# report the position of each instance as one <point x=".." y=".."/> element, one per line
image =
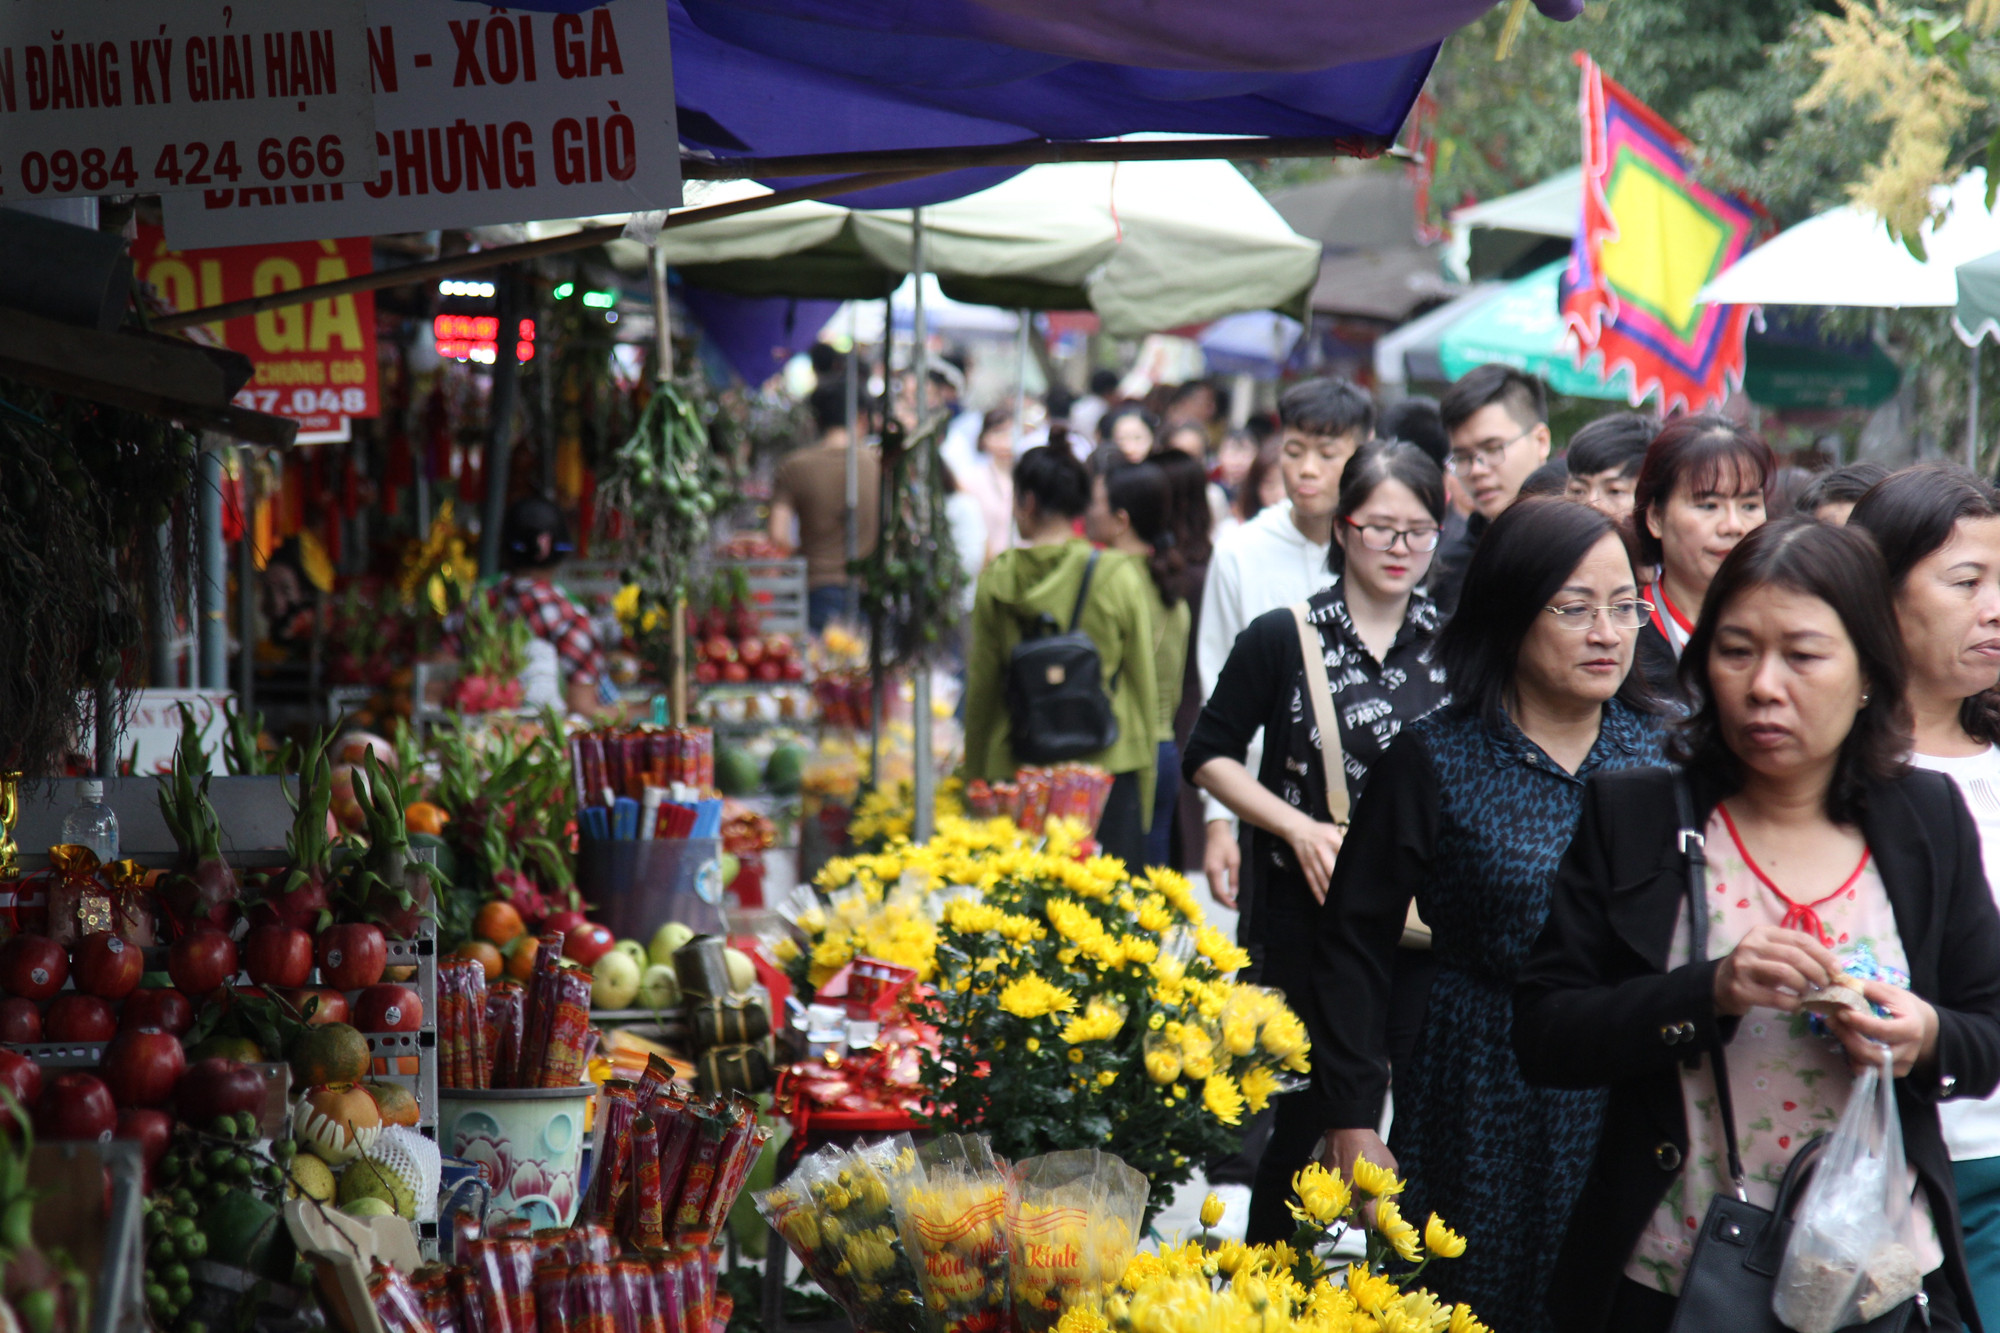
<point x="1911" y="514"/>
<point x="1119" y="413"/>
<point x="523" y="528"/>
<point x="1250" y="493"/>
<point x="1700" y="452"/>
<point x="1520" y="393"/>
<point x="1057" y="402"/>
<point x="829" y="407"/>
<point x="1416" y="419"/>
<point x="1059" y="483"/>
<point x="1841" y="485"/>
<point x="994" y="419"/>
<point x="1551" y="478"/>
<point x="1841" y="567"/>
<point x="1374" y="463"/>
<point x="1522" y="560"/>
<point x="1327" y="406"/>
<point x="1614" y="443"/>
<point x="1788" y="483"/>
<point x="1188" y="515"/>
<point x="1183" y="392"/>
<point x="1104" y="383"/>
<point x="1142" y="492"/>
<point x="828" y="362"/>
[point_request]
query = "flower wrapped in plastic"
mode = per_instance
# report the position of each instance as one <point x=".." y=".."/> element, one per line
<point x="834" y="1214"/>
<point x="954" y="1205"/>
<point x="1076" y="1222"/>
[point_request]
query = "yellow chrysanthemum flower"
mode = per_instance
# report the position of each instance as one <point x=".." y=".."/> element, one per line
<point x="1031" y="997"/>
<point x="1374" y="1179"/>
<point x="1464" y="1321"/>
<point x="1223" y="1101"/>
<point x="1100" y="1021"/>
<point x="1441" y="1240"/>
<point x="1211" y="1210"/>
<point x="971" y="918"/>
<point x="1213" y="945"/>
<point x="1393" y="1227"/>
<point x="1163" y="1064"/>
<point x="1259" y="1086"/>
<point x="1372" y="1292"/>
<point x="1323" y="1196"/>
<point x="1230" y="1256"/>
<point x="1082" y="1319"/>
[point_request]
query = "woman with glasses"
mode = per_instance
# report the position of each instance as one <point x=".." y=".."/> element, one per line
<point x="1468" y="815"/>
<point x="1374" y="628"/>
<point x="1938" y="528"/>
<point x="1701" y="490"/>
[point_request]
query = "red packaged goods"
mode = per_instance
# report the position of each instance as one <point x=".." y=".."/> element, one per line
<point x="654" y="1081"/>
<point x="591" y="1299"/>
<point x="465" y="1293"/>
<point x="590" y="763"/>
<point x="648" y="1226"/>
<point x="510" y="1228"/>
<point x="698" y="1290"/>
<point x="517" y="1269"/>
<point x="691" y="1212"/>
<point x="454" y="1069"/>
<point x="678" y="1120"/>
<point x="506" y="1023"/>
<point x="645" y="1292"/>
<point x="667" y="1292"/>
<point x="659" y="759"/>
<point x="551" y="1247"/>
<point x="475" y="1024"/>
<point x="396" y="1301"/>
<point x="540" y="1011"/>
<point x="611" y="1176"/>
<point x="732" y="1162"/>
<point x="433" y="1284"/>
<point x="591" y="1243"/>
<point x="552" y="1296"/>
<point x="630" y="1280"/>
<point x="568" y="1030"/>
<point x="736" y="1170"/>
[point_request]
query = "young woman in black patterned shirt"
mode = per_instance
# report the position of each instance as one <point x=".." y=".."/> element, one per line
<point x="1375" y="625"/>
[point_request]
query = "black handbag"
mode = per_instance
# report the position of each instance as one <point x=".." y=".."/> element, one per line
<point x="1057" y="704"/>
<point x="1733" y="1270"/>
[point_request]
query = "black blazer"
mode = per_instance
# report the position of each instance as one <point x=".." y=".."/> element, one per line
<point x="1596" y="1006"/>
<point x="1654" y="659"/>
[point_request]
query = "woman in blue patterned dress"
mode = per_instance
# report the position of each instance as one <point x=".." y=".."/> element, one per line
<point x="1469" y="813"/>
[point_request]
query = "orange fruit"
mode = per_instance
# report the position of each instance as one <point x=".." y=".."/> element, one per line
<point x="521" y="963"/>
<point x="425" y="817"/>
<point x="398" y="1105"/>
<point x="499" y="922"/>
<point x="329" y="1053"/>
<point x="485" y="953"/>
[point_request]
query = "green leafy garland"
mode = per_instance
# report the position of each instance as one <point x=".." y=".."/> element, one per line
<point x="912" y="583"/>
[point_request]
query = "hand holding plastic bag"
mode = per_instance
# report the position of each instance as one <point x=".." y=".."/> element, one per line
<point x="1846" y="1262"/>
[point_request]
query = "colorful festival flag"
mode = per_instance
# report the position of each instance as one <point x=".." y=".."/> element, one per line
<point x="1650" y="238"/>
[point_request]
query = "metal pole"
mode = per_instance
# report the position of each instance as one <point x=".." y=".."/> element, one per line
<point x="1972" y="411"/>
<point x="246" y="594"/>
<point x="878" y="693"/>
<point x="211" y="582"/>
<point x="852" y="377"/>
<point x="663" y="342"/>
<point x="500" y="427"/>
<point x="925" y="783"/>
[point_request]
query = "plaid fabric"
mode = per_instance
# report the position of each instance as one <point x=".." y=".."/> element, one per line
<point x="552" y="617"/>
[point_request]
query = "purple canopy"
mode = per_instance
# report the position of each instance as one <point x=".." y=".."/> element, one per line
<point x="757" y="335"/>
<point x="770" y="78"/>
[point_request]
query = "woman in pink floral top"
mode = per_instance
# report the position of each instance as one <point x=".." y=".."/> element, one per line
<point x="1827" y="854"/>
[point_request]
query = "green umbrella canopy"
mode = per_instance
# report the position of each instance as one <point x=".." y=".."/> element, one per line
<point x="1523" y="327"/>
<point x="1978" y="313"/>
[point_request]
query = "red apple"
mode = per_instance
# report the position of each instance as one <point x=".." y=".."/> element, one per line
<point x="107" y="965"/>
<point x="142" y="1066"/>
<point x="157" y="1007"/>
<point x="388" y="1008"/>
<point x="22" y="1078"/>
<point x="33" y="966"/>
<point x="719" y="649"/>
<point x="567" y="920"/>
<point x="217" y="1086"/>
<point x="73" y="1016"/>
<point x="750" y="652"/>
<point x="20" y="1020"/>
<point x="778" y="646"/>
<point x="76" y="1106"/>
<point x="706" y="674"/>
<point x="278" y="955"/>
<point x="152" y="1129"/>
<point x="588" y="943"/>
<point x="352" y="956"/>
<point x="735" y="673"/>
<point x="770" y="671"/>
<point x="332" y="1004"/>
<point x="201" y="960"/>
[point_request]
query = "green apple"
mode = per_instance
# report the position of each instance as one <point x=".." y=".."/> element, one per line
<point x="731" y="864"/>
<point x="614" y="981"/>
<point x="636" y="949"/>
<point x="659" y="988"/>
<point x="669" y="938"/>
<point x="742" y="972"/>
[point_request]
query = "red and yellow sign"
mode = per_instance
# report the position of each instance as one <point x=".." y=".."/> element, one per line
<point x="315" y="361"/>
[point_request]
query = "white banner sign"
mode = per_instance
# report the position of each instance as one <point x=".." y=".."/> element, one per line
<point x="484" y="115"/>
<point x="145" y="96"/>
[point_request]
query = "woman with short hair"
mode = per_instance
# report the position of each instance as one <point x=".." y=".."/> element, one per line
<point x="1826" y="857"/>
<point x="1467" y="815"/>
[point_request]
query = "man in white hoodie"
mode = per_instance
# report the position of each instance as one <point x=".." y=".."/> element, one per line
<point x="1274" y="560"/>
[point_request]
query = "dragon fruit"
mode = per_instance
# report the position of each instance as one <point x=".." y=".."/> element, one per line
<point x="202" y="886"/>
<point x="382" y="879"/>
<point x="303" y="898"/>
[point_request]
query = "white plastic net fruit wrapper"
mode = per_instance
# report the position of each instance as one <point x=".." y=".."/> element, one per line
<point x="417" y="1160"/>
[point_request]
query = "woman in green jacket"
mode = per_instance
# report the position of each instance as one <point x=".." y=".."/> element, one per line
<point x="1039" y="578"/>
<point x="1129" y="510"/>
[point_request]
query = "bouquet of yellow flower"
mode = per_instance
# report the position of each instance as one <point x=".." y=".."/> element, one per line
<point x="955" y="1205"/>
<point x="885" y="814"/>
<point x="1076" y="1224"/>
<point x="1238" y="1288"/>
<point x="833" y="1211"/>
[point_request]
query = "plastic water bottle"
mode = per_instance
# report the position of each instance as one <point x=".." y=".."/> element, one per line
<point x="92" y="823"/>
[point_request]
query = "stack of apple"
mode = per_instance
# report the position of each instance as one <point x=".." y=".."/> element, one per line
<point x="94" y="992"/>
<point x="628" y="974"/>
<point x="736" y="660"/>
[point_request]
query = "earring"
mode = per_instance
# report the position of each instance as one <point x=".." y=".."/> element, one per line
<point x="1864" y="699"/>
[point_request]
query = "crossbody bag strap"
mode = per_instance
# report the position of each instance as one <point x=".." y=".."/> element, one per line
<point x="1083" y="591"/>
<point x="1694" y="854"/>
<point x="1320" y="691"/>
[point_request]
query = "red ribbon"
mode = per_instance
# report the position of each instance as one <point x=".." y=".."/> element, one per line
<point x="1798" y="915"/>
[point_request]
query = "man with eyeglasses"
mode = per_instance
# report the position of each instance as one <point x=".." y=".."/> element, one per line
<point x="1274" y="560"/>
<point x="1497" y="418"/>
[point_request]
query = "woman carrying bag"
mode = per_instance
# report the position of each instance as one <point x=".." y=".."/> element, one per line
<point x="1817" y="852"/>
<point x="1372" y="632"/>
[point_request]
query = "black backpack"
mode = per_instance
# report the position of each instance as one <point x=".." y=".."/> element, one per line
<point x="1056" y="700"/>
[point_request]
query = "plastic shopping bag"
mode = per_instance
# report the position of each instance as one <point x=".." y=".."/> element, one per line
<point x="1846" y="1262"/>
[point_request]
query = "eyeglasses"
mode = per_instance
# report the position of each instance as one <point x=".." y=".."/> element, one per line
<point x="1579" y="617"/>
<point x="1461" y="460"/>
<point x="1378" y="538"/>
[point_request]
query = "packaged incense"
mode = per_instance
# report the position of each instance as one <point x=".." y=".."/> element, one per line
<point x="396" y="1302"/>
<point x="618" y="1107"/>
<point x="540" y="1011"/>
<point x="591" y="1299"/>
<point x="648" y="1226"/>
<point x="506" y="1022"/>
<point x="567" y="1049"/>
<point x="552" y="1296"/>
